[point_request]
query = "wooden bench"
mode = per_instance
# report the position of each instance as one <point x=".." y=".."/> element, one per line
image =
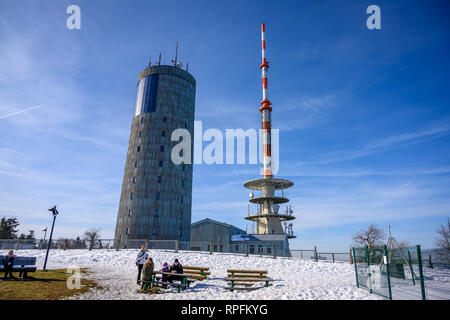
<point x="247" y="278"/>
<point x="23" y="265"/>
<point x="197" y="273"/>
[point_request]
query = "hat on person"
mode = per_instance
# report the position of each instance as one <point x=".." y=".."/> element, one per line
<point x="165" y="264"/>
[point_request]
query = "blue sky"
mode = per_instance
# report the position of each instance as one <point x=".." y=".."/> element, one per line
<point x="363" y="114"/>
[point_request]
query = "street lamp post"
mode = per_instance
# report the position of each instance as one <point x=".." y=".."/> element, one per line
<point x="55" y="213"/>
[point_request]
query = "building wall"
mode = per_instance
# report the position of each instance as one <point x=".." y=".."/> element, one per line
<point x="165" y="102"/>
<point x="206" y="232"/>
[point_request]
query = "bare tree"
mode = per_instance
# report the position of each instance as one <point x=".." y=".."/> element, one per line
<point x="371" y="237"/>
<point x="443" y="241"/>
<point x="92" y="235"/>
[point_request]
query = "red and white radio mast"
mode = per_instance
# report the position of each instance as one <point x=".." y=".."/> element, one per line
<point x="266" y="110"/>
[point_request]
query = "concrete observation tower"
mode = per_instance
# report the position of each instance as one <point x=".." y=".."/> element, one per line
<point x="268" y="220"/>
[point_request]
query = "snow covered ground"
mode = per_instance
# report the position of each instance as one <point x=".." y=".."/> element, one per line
<point x="115" y="271"/>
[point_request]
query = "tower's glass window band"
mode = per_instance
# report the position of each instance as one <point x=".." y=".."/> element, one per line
<point x="146" y="95"/>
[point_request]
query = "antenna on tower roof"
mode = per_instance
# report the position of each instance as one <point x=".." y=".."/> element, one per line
<point x="159" y="61"/>
<point x="187" y="65"/>
<point x="150" y="62"/>
<point x="174" y="61"/>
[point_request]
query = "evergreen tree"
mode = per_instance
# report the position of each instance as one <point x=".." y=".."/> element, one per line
<point x="8" y="228"/>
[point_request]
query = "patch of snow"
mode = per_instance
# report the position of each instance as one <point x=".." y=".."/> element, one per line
<point x="115" y="272"/>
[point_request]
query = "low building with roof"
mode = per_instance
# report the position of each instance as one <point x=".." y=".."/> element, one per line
<point x="228" y="238"/>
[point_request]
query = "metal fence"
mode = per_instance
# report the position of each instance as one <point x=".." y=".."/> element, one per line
<point x="393" y="273"/>
<point x="430" y="258"/>
<point x="173" y="245"/>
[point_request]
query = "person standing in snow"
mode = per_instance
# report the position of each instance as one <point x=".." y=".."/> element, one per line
<point x="147" y="272"/>
<point x="140" y="260"/>
<point x="175" y="268"/>
<point x="8" y="263"/>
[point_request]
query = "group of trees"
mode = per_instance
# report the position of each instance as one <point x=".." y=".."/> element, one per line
<point x="8" y="230"/>
<point x="373" y="237"/>
<point x="90" y="239"/>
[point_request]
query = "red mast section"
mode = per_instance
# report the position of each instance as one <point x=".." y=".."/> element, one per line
<point x="266" y="110"/>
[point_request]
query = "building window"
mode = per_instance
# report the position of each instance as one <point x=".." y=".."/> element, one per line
<point x="221" y="248"/>
<point x="127" y="231"/>
<point x="161" y="148"/>
<point x="182" y="166"/>
<point x="159" y="179"/>
<point x="179" y="232"/>
<point x="164" y="119"/>
<point x="185" y="125"/>
<point x="156" y="212"/>
<point x="138" y="148"/>
<point x="236" y="248"/>
<point x="131" y="196"/>
<point x="160" y="164"/>
<point x="163" y="134"/>
<point x="134" y="180"/>
<point x="260" y="249"/>
<point x="269" y="250"/>
<point x="157" y="196"/>
<point x="136" y="164"/>
<point x="154" y="231"/>
<point x="140" y="134"/>
<point x="252" y="249"/>
<point x="129" y="212"/>
<point x="142" y="119"/>
<point x="215" y="248"/>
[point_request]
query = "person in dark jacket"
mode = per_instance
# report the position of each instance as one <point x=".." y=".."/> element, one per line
<point x="8" y="264"/>
<point x="175" y="268"/>
<point x="140" y="260"/>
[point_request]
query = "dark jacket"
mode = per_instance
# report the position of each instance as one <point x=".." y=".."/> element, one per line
<point x="177" y="269"/>
<point x="8" y="261"/>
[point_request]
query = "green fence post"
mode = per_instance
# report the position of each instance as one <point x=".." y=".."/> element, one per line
<point x="356" y="268"/>
<point x="387" y="272"/>
<point x="411" y="268"/>
<point x="368" y="269"/>
<point x="422" y="283"/>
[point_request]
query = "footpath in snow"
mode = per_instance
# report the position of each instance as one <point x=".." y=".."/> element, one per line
<point x="116" y="272"/>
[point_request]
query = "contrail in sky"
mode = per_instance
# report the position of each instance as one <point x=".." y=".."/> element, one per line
<point x="17" y="112"/>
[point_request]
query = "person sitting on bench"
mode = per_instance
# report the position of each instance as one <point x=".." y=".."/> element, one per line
<point x="175" y="268"/>
<point x="8" y="263"/>
<point x="147" y="271"/>
<point x="165" y="269"/>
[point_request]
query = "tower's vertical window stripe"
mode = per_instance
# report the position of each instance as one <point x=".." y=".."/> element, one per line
<point x="146" y="95"/>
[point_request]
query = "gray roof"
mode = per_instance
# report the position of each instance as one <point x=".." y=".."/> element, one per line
<point x="207" y="220"/>
<point x="258" y="237"/>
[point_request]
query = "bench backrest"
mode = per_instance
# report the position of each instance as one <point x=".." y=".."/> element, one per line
<point x="247" y="271"/>
<point x="195" y="268"/>
<point x="21" y="261"/>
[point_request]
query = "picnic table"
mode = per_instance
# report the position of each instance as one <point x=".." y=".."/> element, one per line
<point x="182" y="277"/>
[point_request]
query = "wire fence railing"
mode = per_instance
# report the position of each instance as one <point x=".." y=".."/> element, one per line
<point x="431" y="258"/>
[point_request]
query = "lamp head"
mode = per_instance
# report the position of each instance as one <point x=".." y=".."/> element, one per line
<point x="53" y="210"/>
